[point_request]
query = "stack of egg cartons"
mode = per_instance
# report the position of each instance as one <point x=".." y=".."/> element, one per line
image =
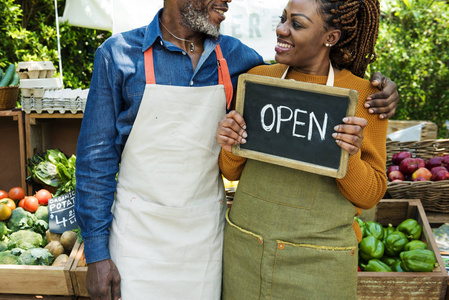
<point x="36" y="78"/>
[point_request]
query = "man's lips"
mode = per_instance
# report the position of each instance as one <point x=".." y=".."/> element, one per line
<point x="220" y="11"/>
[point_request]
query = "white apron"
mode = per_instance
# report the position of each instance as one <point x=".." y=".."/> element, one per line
<point x="167" y="232"/>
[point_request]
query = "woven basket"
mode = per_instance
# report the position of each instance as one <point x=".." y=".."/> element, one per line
<point x="434" y="195"/>
<point x="428" y="131"/>
<point x="8" y="97"/>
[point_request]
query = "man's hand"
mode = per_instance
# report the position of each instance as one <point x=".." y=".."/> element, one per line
<point x="103" y="280"/>
<point x="384" y="102"/>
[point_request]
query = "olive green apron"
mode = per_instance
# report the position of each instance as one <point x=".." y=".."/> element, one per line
<point x="289" y="235"/>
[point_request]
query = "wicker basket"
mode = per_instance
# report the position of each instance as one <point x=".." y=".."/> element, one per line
<point x="8" y="97"/>
<point x="434" y="195"/>
<point x="428" y="131"/>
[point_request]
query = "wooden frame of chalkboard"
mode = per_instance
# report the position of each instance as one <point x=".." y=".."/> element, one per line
<point x="290" y="123"/>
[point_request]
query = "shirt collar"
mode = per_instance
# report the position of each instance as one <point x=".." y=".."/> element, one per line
<point x="153" y="31"/>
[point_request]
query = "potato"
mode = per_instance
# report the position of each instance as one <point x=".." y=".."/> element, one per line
<point x="50" y="236"/>
<point x="55" y="248"/>
<point x="68" y="239"/>
<point x="60" y="261"/>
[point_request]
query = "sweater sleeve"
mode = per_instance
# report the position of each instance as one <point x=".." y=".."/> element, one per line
<point x="231" y="165"/>
<point x="366" y="182"/>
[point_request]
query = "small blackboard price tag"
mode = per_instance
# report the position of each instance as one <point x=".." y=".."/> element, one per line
<point x="61" y="213"/>
<point x="290" y="123"/>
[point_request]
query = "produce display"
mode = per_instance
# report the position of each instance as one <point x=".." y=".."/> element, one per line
<point x="9" y="77"/>
<point x="53" y="169"/>
<point x="24" y="235"/>
<point x="390" y="249"/>
<point x="407" y="168"/>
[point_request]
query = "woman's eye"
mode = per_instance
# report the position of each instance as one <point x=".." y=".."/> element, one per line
<point x="297" y="25"/>
<point x="282" y="19"/>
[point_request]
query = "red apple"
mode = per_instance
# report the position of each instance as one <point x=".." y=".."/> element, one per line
<point x="445" y="161"/>
<point x="398" y="157"/>
<point x="437" y="169"/>
<point x="420" y="179"/>
<point x="435" y="161"/>
<point x="440" y="175"/>
<point x="392" y="168"/>
<point x="421" y="162"/>
<point x="396" y="175"/>
<point x="422" y="172"/>
<point x="408" y="166"/>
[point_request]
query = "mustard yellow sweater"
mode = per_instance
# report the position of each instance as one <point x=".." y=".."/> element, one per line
<point x="365" y="182"/>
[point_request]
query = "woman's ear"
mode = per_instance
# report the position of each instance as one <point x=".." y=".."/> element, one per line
<point x="333" y="37"/>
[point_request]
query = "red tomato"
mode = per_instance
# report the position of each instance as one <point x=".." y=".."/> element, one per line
<point x="16" y="193"/>
<point x="43" y="196"/>
<point x="31" y="204"/>
<point x="21" y="202"/>
<point x="3" y="194"/>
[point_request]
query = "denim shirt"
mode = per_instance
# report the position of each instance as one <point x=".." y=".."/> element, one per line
<point x="115" y="93"/>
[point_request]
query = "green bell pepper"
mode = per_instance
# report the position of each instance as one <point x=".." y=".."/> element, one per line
<point x="390" y="261"/>
<point x="370" y="247"/>
<point x="395" y="243"/>
<point x="387" y="230"/>
<point x="415" y="244"/>
<point x="418" y="260"/>
<point x="396" y="267"/>
<point x="375" y="265"/>
<point x="411" y="228"/>
<point x="374" y="229"/>
<point x="361" y="225"/>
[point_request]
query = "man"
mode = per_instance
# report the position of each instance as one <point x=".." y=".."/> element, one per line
<point x="156" y="97"/>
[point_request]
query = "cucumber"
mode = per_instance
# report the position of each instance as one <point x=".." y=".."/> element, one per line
<point x="15" y="80"/>
<point x="9" y="73"/>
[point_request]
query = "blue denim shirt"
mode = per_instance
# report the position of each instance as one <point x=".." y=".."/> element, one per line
<point x="116" y="90"/>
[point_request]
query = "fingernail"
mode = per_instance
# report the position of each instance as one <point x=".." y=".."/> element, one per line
<point x="345" y="120"/>
<point x="244" y="126"/>
<point x="371" y="111"/>
<point x="381" y="116"/>
<point x="334" y="135"/>
<point x="336" y="128"/>
<point x="245" y="135"/>
<point x="367" y="105"/>
<point x="243" y="141"/>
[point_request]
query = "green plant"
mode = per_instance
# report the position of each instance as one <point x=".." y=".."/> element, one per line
<point x="412" y="51"/>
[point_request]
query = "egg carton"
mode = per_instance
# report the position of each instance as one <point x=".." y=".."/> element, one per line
<point x="35" y="69"/>
<point x="57" y="100"/>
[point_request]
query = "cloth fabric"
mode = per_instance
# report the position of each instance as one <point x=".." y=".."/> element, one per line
<point x="167" y="234"/>
<point x="290" y="234"/>
<point x="115" y="94"/>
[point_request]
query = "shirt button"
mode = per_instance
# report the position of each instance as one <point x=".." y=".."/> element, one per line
<point x="183" y="52"/>
<point x="191" y="82"/>
<point x="162" y="43"/>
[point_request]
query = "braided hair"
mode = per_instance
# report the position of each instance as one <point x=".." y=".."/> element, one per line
<point x="358" y="21"/>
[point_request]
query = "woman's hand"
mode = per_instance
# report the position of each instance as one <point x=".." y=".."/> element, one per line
<point x="231" y="130"/>
<point x="349" y="136"/>
<point x="384" y="102"/>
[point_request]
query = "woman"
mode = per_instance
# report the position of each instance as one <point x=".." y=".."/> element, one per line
<point x="291" y="234"/>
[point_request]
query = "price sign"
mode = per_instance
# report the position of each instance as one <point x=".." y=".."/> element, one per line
<point x="61" y="213"/>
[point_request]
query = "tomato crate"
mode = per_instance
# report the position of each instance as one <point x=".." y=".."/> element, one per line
<point x="403" y="285"/>
<point x="38" y="282"/>
<point x="78" y="273"/>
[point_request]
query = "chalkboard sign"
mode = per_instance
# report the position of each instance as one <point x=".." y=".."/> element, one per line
<point x="290" y="123"/>
<point x="61" y="213"/>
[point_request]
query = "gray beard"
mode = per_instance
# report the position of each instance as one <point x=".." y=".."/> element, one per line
<point x="198" y="20"/>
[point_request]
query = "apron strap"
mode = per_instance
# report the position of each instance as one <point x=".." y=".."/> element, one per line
<point x="223" y="76"/>
<point x="223" y="72"/>
<point x="149" y="66"/>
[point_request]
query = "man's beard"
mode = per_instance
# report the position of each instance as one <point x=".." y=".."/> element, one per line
<point x="196" y="18"/>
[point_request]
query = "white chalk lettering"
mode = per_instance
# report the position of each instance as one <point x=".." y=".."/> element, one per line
<point x="322" y="129"/>
<point x="262" y="117"/>
<point x="296" y="122"/>
<point x="280" y="119"/>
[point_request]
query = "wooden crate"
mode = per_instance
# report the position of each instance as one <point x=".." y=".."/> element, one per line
<point x="50" y="131"/>
<point x="37" y="280"/>
<point x="12" y="151"/>
<point x="78" y="273"/>
<point x="403" y="285"/>
<point x="428" y="131"/>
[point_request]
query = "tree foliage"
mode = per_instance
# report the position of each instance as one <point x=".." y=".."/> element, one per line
<point x="28" y="33"/>
<point x="413" y="51"/>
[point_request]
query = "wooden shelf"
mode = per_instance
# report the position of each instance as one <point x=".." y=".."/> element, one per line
<point x="12" y="151"/>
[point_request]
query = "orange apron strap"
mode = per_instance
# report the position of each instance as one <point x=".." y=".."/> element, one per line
<point x="149" y="66"/>
<point x="223" y="76"/>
